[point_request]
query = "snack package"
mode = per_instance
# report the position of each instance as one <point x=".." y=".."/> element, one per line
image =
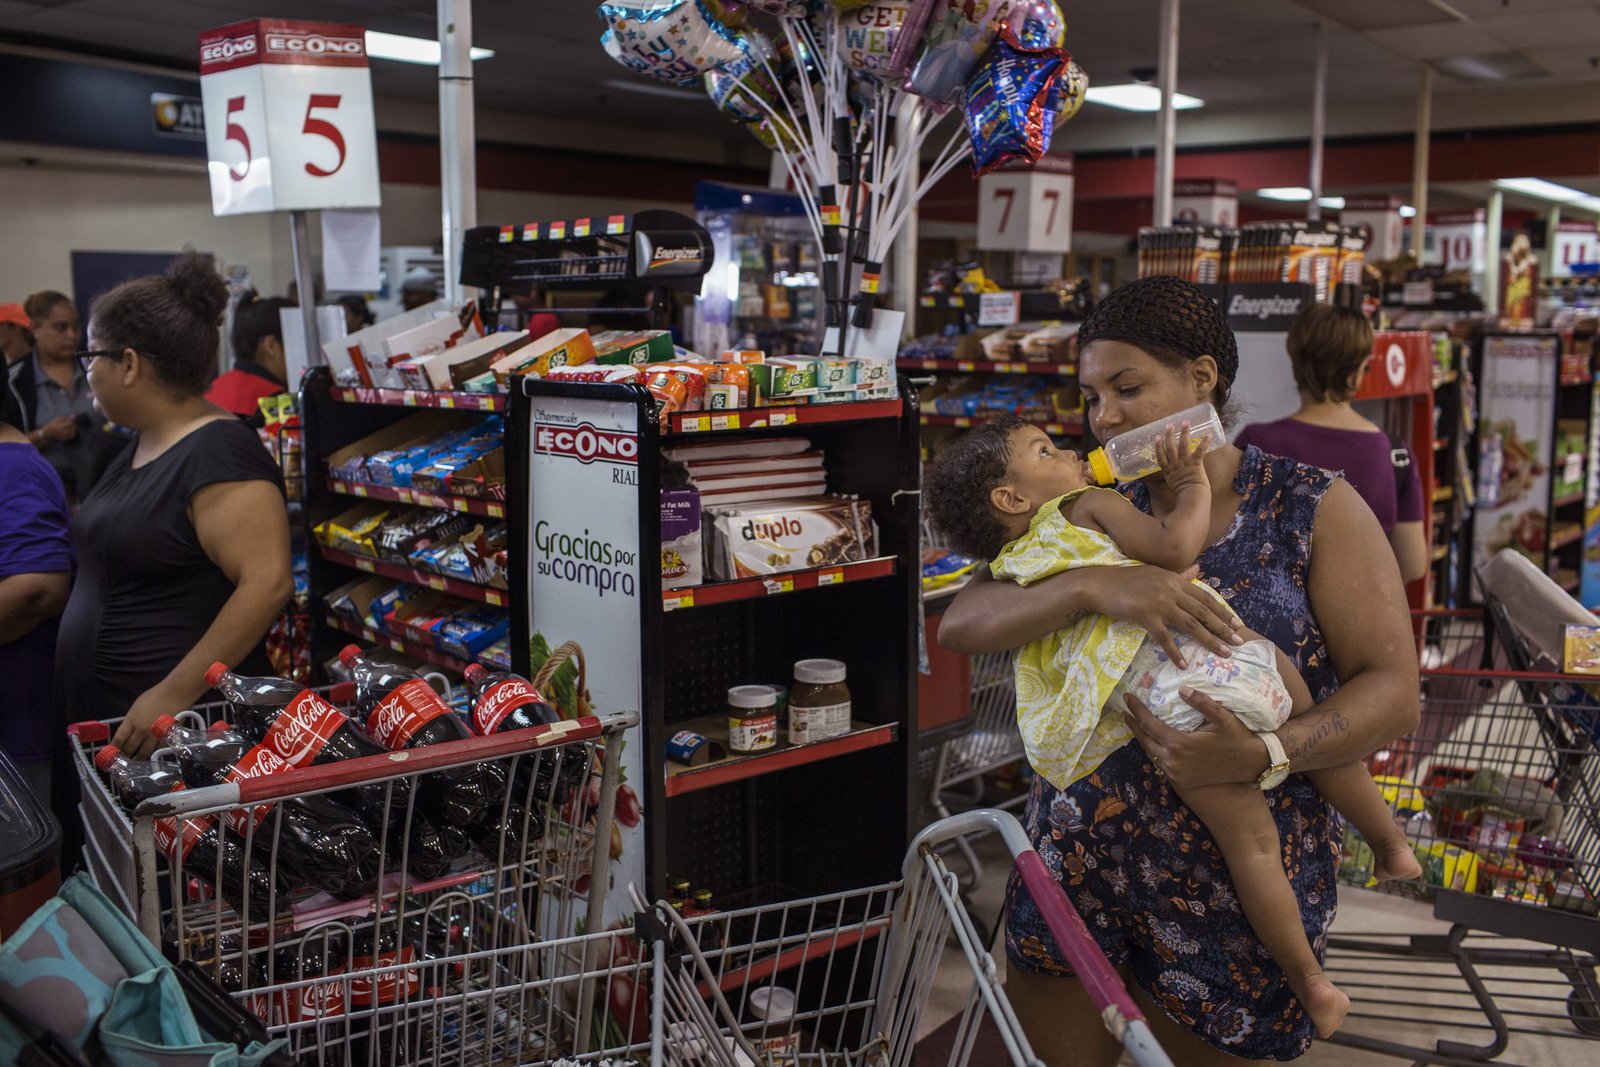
<point x="682" y="562"/>
<point x="403" y="536"/>
<point x="784" y="379"/>
<point x="559" y="348"/>
<point x="727" y="386"/>
<point x="693" y="377"/>
<point x="632" y="347"/>
<point x="593" y="373"/>
<point x="753" y="539"/>
<point x="669" y="390"/>
<point x="354" y="530"/>
<point x="470" y="629"/>
<point x="460" y="362"/>
<point x="836" y="380"/>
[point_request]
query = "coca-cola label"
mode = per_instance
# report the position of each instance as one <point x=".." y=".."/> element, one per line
<point x="500" y="700"/>
<point x="318" y="1001"/>
<point x="399" y="716"/>
<point x="301" y="730"/>
<point x="170" y="840"/>
<point x="386" y="988"/>
<point x="259" y="762"/>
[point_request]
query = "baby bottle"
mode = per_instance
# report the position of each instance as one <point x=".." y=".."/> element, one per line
<point x="1130" y="456"/>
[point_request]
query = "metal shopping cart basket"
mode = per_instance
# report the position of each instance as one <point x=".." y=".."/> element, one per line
<point x="1500" y="785"/>
<point x="852" y="972"/>
<point x="439" y="962"/>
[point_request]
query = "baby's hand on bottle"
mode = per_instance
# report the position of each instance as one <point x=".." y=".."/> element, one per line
<point x="1181" y="458"/>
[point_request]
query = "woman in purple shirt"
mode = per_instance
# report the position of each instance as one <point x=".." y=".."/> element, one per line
<point x="1331" y="348"/>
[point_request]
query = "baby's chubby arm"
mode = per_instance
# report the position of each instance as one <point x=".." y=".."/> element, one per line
<point x="1172" y="542"/>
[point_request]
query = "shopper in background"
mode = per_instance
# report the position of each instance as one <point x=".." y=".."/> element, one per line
<point x="35" y="577"/>
<point x="259" y="367"/>
<point x="1331" y="349"/>
<point x="541" y="320"/>
<point x="57" y="408"/>
<point x="183" y="547"/>
<point x="16" y="342"/>
<point x="420" y="287"/>
<point x="1297" y="554"/>
<point x="357" y="315"/>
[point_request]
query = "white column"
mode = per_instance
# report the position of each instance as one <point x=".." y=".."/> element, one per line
<point x="903" y="276"/>
<point x="1166" y="123"/>
<point x="458" y="137"/>
<point x="1319" y="121"/>
<point x="1491" y="253"/>
<point x="1419" y="162"/>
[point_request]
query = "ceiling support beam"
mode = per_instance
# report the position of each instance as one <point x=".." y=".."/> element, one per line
<point x="458" y="138"/>
<point x="1319" y="122"/>
<point x="1166" y="121"/>
<point x="1419" y="162"/>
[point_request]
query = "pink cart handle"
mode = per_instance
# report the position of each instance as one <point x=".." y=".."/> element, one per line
<point x="1089" y="964"/>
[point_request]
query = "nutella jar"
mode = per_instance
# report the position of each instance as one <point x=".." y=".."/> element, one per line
<point x="752" y="718"/>
<point x="819" y="703"/>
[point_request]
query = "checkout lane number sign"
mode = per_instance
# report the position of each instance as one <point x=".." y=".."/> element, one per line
<point x="288" y="117"/>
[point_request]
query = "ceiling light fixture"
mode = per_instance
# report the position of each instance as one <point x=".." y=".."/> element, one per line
<point x="1543" y="190"/>
<point x="1284" y="192"/>
<point x="1134" y="97"/>
<point x="404" y="49"/>
<point x="1407" y="211"/>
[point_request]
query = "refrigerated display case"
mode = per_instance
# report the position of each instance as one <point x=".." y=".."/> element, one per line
<point x="765" y="290"/>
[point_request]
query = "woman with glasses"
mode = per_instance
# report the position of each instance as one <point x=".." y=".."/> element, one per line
<point x="183" y="546"/>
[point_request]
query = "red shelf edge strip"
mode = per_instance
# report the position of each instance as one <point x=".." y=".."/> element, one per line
<point x="453" y="586"/>
<point x="690" y="781"/>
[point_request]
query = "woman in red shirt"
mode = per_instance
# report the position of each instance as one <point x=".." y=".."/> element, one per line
<point x="259" y="367"/>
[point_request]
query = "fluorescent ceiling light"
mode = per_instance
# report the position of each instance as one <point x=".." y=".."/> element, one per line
<point x="1335" y="202"/>
<point x="410" y="49"/>
<point x="1538" y="187"/>
<point x="1285" y="192"/>
<point x="1588" y="203"/>
<point x="1407" y="211"/>
<point x="1135" y="97"/>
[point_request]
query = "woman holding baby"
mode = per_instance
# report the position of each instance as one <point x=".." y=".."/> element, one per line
<point x="1299" y="560"/>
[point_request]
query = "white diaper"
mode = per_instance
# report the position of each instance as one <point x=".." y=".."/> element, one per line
<point x="1246" y="683"/>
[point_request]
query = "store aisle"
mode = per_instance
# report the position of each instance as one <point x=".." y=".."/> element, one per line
<point x="1401" y="1001"/>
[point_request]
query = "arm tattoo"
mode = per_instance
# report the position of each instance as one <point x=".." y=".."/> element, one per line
<point x="1318" y="729"/>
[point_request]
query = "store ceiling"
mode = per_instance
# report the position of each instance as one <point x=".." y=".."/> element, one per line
<point x="1250" y="60"/>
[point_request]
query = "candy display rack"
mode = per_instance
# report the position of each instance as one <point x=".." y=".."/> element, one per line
<point x="585" y="474"/>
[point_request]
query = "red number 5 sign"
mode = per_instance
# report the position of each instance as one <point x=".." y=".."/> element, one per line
<point x="288" y="110"/>
<point x="1027" y="210"/>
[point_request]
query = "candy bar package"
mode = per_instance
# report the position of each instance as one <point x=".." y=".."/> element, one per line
<point x="461" y="361"/>
<point x="416" y="431"/>
<point x="354" y="531"/>
<point x="632" y="346"/>
<point x="682" y="562"/>
<point x="401" y="537"/>
<point x="559" y="348"/>
<point x="469" y="629"/>
<point x="756" y="538"/>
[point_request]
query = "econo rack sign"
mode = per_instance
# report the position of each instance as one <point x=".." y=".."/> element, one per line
<point x="288" y="109"/>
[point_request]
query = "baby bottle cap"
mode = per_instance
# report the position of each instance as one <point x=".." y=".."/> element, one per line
<point x="1100" y="467"/>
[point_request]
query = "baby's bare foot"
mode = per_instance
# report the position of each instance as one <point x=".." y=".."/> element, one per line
<point x="1325" y="1003"/>
<point x="1395" y="861"/>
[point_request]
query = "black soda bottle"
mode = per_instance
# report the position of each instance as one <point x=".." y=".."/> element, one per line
<point x="305" y="730"/>
<point x="503" y="701"/>
<point x="431" y="845"/>
<point x="402" y="711"/>
<point x="199" y="843"/>
<point x="322" y="840"/>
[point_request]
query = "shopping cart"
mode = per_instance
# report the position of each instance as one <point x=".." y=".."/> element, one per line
<point x="408" y="972"/>
<point x="839" y="979"/>
<point x="1500" y="787"/>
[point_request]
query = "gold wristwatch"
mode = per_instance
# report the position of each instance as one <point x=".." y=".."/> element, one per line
<point x="1277" y="762"/>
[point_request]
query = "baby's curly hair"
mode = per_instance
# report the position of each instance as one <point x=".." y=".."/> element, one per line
<point x="959" y="483"/>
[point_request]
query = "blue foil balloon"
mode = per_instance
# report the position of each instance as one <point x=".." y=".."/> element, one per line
<point x="1006" y="105"/>
<point x="674" y="41"/>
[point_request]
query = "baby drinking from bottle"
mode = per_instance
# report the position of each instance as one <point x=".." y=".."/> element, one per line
<point x="1048" y="516"/>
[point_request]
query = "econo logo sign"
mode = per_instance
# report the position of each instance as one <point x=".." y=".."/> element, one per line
<point x="314" y="45"/>
<point x="586" y="444"/>
<point x="228" y="49"/>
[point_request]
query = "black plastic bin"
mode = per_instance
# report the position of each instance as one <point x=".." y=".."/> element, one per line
<point x="30" y="847"/>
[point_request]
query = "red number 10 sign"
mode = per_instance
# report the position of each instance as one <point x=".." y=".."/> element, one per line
<point x="289" y="123"/>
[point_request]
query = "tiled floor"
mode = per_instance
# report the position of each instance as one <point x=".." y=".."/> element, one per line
<point x="1397" y="999"/>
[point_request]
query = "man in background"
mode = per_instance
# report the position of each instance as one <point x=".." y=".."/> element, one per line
<point x="419" y="287"/>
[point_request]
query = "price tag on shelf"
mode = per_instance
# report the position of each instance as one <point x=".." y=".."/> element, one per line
<point x="492" y="597"/>
<point x="965" y="365"/>
<point x="455" y="502"/>
<point x="695" y="424"/>
<point x="433" y="581"/>
<point x="963" y="422"/>
<point x="725" y="422"/>
<point x="999" y="309"/>
<point x="288" y="117"/>
<point x="359" y="490"/>
<point x="781" y="418"/>
<point x="446" y="400"/>
<point x="958" y="302"/>
<point x="674" y="602"/>
<point x="495" y="511"/>
<point x="830" y="577"/>
<point x="774" y="586"/>
<point x="928" y="302"/>
<point x="363" y="564"/>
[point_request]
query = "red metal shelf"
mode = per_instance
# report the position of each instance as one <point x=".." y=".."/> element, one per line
<point x="494" y="509"/>
<point x="454" y="586"/>
<point x="736" y="767"/>
<point x="419" y="398"/>
<point x="411" y="648"/>
<point x="1566" y="534"/>
<point x="775" y="584"/>
<point x="1570" y="498"/>
<point x="687" y="422"/>
<point x="1069" y="428"/>
<point x="982" y="366"/>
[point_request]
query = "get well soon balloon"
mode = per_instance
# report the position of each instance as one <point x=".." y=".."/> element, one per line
<point x="674" y="41"/>
<point x="870" y="33"/>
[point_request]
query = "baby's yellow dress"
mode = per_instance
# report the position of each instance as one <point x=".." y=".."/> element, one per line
<point x="1065" y="678"/>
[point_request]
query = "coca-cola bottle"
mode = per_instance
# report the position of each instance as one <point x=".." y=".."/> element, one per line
<point x="324" y="952"/>
<point x="521" y="830"/>
<point x="431" y="845"/>
<point x="402" y="711"/>
<point x="199" y="843"/>
<point x="322" y="840"/>
<point x="504" y="701"/>
<point x="305" y="730"/>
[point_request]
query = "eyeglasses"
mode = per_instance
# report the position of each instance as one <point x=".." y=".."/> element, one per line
<point x="86" y="359"/>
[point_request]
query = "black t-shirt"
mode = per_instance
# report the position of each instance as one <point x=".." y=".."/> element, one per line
<point x="146" y="591"/>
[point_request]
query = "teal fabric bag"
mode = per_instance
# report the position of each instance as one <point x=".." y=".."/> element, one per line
<point x="79" y="969"/>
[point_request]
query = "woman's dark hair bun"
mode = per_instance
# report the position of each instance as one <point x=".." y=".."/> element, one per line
<point x="198" y="286"/>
